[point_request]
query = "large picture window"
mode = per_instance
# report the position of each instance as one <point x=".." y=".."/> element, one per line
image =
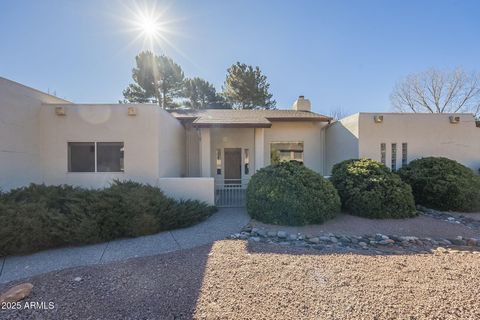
<point x="286" y="151"/>
<point x="95" y="157"/>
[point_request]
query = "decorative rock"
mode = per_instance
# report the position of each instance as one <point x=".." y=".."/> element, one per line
<point x="324" y="239"/>
<point x="16" y="293"/>
<point x="261" y="232"/>
<point x="458" y="241"/>
<point x="77" y="279"/>
<point x="254" y="231"/>
<point x="333" y="239"/>
<point x="386" y="242"/>
<point x="282" y="234"/>
<point x="255" y="239"/>
<point x="292" y="237"/>
<point x="362" y="244"/>
<point x="271" y="233"/>
<point x="314" y="240"/>
<point x="472" y="242"/>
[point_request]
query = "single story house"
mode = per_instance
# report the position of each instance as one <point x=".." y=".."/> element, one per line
<point x="207" y="154"/>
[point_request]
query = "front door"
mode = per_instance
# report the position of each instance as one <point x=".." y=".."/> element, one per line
<point x="233" y="165"/>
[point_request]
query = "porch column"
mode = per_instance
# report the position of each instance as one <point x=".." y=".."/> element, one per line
<point x="205" y="162"/>
<point x="259" y="148"/>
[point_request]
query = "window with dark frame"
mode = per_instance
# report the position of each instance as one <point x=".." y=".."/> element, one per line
<point x="109" y="156"/>
<point x="95" y="157"/>
<point x="404" y="154"/>
<point x="394" y="157"/>
<point x="81" y="157"/>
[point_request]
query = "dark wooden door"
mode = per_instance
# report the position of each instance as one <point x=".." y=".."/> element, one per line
<point x="233" y="165"/>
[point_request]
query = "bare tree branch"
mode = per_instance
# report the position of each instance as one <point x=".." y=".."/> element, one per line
<point x="438" y="91"/>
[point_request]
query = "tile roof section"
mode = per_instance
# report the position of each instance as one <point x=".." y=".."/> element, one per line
<point x="244" y="118"/>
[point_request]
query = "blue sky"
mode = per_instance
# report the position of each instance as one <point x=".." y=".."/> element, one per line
<point x="340" y="54"/>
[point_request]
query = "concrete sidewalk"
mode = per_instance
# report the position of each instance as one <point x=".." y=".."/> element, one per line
<point x="223" y="223"/>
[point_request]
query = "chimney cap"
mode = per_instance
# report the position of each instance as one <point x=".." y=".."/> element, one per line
<point x="301" y="97"/>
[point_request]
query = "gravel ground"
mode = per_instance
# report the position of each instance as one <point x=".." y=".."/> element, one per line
<point x="242" y="280"/>
<point x="421" y="226"/>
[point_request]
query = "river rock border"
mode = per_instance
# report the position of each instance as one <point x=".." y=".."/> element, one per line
<point x="449" y="217"/>
<point x="378" y="243"/>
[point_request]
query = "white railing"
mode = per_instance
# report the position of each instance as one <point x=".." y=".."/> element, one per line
<point x="230" y="192"/>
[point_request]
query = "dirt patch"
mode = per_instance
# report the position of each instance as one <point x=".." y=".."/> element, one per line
<point x="241" y="280"/>
<point x="421" y="226"/>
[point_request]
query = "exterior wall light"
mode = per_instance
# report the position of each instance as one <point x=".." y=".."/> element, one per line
<point x="454" y="119"/>
<point x="132" y="111"/>
<point x="60" y="111"/>
<point x="378" y="119"/>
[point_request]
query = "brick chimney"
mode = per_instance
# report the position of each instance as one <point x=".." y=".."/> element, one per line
<point x="302" y="104"/>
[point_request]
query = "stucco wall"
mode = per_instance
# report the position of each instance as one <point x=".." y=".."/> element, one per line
<point x="222" y="138"/>
<point x="192" y="145"/>
<point x="341" y="141"/>
<point x="19" y="133"/>
<point x="310" y="133"/>
<point x="201" y="189"/>
<point x="425" y="134"/>
<point x="97" y="123"/>
<point x="171" y="138"/>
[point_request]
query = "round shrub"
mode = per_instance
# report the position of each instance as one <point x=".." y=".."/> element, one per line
<point x="443" y="184"/>
<point x="291" y="194"/>
<point x="368" y="188"/>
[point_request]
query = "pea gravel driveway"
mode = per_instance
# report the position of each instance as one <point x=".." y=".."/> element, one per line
<point x="233" y="279"/>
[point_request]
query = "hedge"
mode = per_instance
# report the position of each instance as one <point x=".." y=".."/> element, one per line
<point x="38" y="217"/>
<point x="288" y="193"/>
<point x="443" y="184"/>
<point x="368" y="188"/>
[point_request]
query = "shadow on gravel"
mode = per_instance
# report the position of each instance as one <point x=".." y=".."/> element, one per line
<point x="166" y="286"/>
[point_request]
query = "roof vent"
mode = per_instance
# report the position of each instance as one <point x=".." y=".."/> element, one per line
<point x="132" y="111"/>
<point x="302" y="104"/>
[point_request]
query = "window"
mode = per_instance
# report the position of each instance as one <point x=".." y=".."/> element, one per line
<point x="109" y="157"/>
<point x="404" y="154"/>
<point x="247" y="161"/>
<point x="81" y="157"/>
<point x="219" y="161"/>
<point x="394" y="156"/>
<point x="95" y="157"/>
<point x="286" y="151"/>
<point x="383" y="153"/>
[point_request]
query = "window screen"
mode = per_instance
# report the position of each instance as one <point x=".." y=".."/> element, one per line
<point x="81" y="157"/>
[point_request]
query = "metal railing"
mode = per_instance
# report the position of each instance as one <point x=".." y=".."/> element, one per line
<point x="230" y="192"/>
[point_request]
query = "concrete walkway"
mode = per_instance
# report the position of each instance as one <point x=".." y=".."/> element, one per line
<point x="223" y="223"/>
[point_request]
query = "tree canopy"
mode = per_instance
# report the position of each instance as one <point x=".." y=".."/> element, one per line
<point x="247" y="88"/>
<point x="157" y="79"/>
<point x="438" y="91"/>
<point x="201" y="94"/>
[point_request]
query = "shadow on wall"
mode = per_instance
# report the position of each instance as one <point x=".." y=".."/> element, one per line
<point x="341" y="143"/>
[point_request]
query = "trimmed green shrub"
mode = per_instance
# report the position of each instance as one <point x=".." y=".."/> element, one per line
<point x="443" y="184"/>
<point x="368" y="188"/>
<point x="39" y="217"/>
<point x="288" y="193"/>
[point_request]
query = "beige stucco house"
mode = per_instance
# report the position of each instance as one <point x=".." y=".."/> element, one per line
<point x="209" y="154"/>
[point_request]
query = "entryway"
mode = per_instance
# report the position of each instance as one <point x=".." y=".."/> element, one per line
<point x="231" y="190"/>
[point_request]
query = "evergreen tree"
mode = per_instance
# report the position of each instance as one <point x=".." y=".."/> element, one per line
<point x="247" y="88"/>
<point x="157" y="79"/>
